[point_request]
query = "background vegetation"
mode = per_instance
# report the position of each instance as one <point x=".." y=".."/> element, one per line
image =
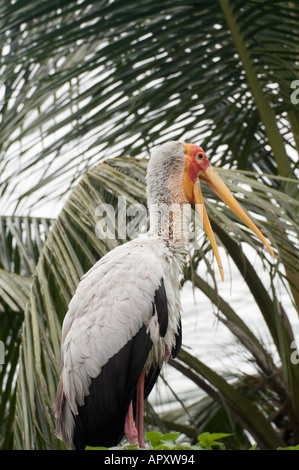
<point x="88" y="88"/>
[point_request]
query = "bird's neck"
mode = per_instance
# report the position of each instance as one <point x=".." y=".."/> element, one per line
<point x="168" y="211"/>
<point x="169" y="221"/>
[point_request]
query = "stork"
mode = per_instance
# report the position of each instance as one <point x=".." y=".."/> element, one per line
<point x="124" y="320"/>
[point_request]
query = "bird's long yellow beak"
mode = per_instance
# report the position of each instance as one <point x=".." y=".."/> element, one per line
<point x="211" y="177"/>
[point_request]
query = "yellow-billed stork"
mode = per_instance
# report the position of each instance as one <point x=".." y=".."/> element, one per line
<point x="124" y="319"/>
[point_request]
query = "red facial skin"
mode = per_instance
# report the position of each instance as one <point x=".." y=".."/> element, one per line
<point x="196" y="162"/>
<point x="195" y="166"/>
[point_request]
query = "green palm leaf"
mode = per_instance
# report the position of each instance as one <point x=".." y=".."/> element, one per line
<point x="103" y="74"/>
<point x="22" y="239"/>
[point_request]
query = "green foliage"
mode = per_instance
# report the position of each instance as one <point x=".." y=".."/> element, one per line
<point x="167" y="441"/>
<point x="289" y="448"/>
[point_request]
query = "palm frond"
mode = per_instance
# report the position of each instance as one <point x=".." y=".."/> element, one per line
<point x="102" y="78"/>
<point x="21" y="242"/>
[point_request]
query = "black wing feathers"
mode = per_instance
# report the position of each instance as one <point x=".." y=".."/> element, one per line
<point x="101" y="419"/>
<point x="160" y="304"/>
<point x="178" y="342"/>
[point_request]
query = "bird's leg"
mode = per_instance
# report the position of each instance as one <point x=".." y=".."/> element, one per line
<point x="140" y="409"/>
<point x="130" y="428"/>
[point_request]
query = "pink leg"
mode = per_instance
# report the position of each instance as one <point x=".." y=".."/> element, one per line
<point x="130" y="429"/>
<point x="140" y="409"/>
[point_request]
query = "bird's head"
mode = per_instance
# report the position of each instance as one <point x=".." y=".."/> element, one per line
<point x="172" y="160"/>
<point x="198" y="168"/>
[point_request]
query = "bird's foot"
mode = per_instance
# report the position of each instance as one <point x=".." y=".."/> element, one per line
<point x="141" y="442"/>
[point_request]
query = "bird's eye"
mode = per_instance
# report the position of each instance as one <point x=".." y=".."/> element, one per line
<point x="200" y="157"/>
